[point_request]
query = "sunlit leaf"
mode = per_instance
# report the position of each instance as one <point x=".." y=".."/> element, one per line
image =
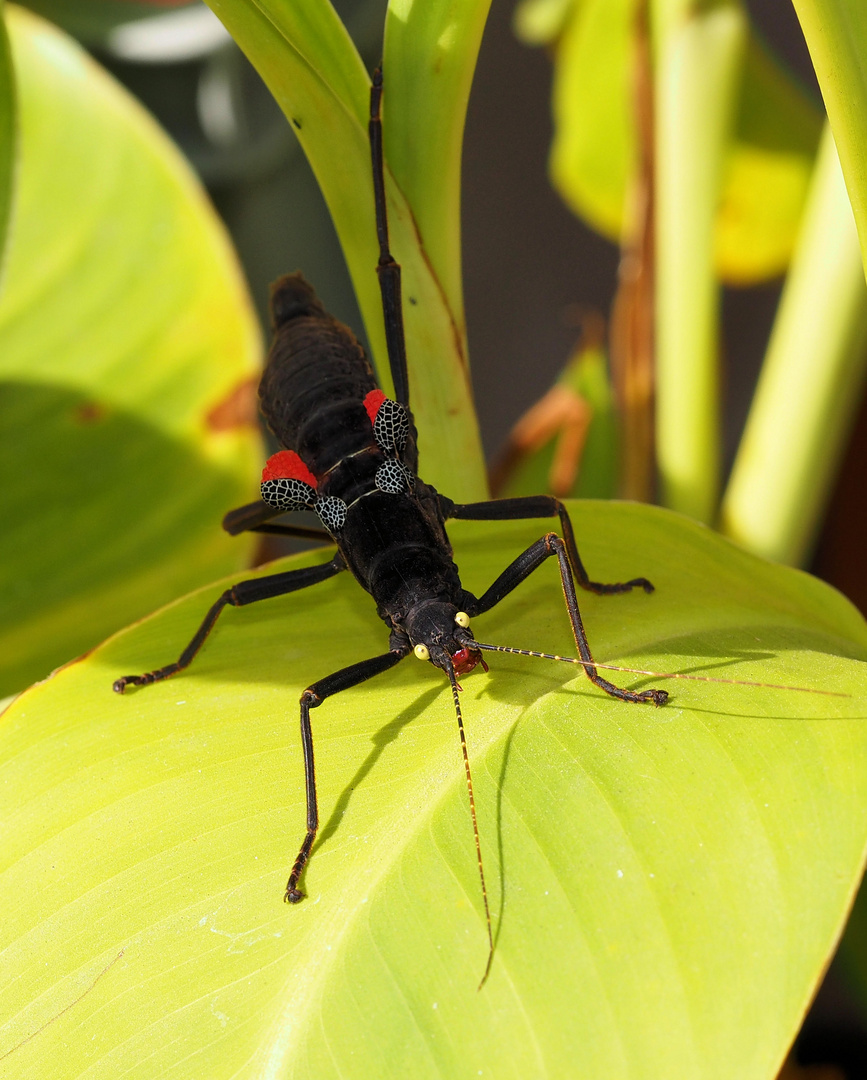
<point x="539" y="22"/>
<point x="768" y="171"/>
<point x="127" y="350"/>
<point x="666" y="883"/>
<point x="430" y="55"/>
<point x="593" y="153"/>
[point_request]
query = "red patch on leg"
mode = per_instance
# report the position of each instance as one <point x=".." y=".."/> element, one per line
<point x="286" y="465"/>
<point x="372" y="403"/>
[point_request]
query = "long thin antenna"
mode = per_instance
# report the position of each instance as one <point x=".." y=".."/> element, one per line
<point x="450" y="671"/>
<point x="655" y="674"/>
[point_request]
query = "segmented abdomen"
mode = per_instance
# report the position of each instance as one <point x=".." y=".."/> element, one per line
<point x="315" y="380"/>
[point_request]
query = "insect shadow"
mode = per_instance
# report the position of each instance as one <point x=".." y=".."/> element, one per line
<point x="382" y="738"/>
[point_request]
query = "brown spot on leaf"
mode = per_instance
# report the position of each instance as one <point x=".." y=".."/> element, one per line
<point x="240" y="408"/>
<point x="89" y="412"/>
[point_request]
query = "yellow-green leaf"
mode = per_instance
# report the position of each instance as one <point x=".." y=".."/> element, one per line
<point x="127" y="353"/>
<point x="666" y="883"/>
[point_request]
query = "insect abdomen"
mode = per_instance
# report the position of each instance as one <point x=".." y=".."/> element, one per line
<point x="315" y="380"/>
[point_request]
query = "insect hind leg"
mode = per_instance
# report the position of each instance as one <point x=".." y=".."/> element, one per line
<point x="540" y="506"/>
<point x="519" y="570"/>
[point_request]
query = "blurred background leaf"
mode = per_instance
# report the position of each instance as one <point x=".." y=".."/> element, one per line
<point x="593" y="156"/>
<point x="567" y="442"/>
<point x="7" y="136"/>
<point x="128" y="358"/>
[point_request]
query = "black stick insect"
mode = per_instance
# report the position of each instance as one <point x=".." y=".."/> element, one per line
<point x="350" y="454"/>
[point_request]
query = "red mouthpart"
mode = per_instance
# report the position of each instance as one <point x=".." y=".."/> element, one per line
<point x="464" y="660"/>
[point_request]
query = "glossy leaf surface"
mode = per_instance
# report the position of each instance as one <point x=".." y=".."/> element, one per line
<point x="128" y="352"/>
<point x="666" y="883"/>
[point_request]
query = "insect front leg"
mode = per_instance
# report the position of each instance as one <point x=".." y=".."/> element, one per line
<point x="548" y="546"/>
<point x="312" y="697"/>
<point x="540" y="506"/>
<point x="245" y="592"/>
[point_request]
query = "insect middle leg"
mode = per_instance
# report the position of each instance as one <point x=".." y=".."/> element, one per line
<point x="245" y="592"/>
<point x="540" y="506"/>
<point x="255" y="517"/>
<point x="520" y="569"/>
<point x="314" y="695"/>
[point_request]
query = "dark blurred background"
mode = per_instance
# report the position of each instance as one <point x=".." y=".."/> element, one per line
<point x="529" y="265"/>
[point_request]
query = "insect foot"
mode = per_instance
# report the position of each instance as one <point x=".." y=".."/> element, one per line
<point x="119" y="685"/>
<point x="658" y="697"/>
<point x="293" y="894"/>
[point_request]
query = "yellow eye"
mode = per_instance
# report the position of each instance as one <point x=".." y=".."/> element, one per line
<point x="422" y="652"/>
<point x="462" y="619"/>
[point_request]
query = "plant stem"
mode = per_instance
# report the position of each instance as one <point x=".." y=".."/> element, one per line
<point x="696" y="94"/>
<point x="810" y="383"/>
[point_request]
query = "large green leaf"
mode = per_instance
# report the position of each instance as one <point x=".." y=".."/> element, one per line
<point x="308" y="61"/>
<point x="127" y="350"/>
<point x="768" y="162"/>
<point x="836" y="35"/>
<point x="666" y="884"/>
